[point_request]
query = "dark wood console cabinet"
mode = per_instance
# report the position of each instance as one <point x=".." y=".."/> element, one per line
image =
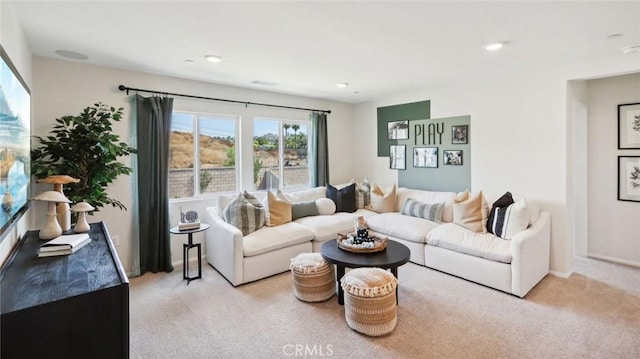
<point x="74" y="306"/>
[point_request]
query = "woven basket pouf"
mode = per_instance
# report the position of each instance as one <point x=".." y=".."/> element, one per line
<point x="314" y="278"/>
<point x="370" y="300"/>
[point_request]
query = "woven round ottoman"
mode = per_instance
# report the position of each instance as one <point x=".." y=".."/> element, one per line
<point x="313" y="278"/>
<point x="370" y="300"/>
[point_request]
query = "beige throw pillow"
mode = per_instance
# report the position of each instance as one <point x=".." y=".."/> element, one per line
<point x="279" y="209"/>
<point x="382" y="201"/>
<point x="468" y="211"/>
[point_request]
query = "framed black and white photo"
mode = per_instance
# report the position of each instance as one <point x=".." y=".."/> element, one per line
<point x="459" y="134"/>
<point x="629" y="178"/>
<point x="398" y="130"/>
<point x="425" y="157"/>
<point x="452" y="157"/>
<point x="629" y="126"/>
<point x="397" y="157"/>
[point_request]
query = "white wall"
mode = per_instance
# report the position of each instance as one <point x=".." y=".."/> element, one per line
<point x="65" y="88"/>
<point x="577" y="175"/>
<point x="15" y="45"/>
<point x="614" y="226"/>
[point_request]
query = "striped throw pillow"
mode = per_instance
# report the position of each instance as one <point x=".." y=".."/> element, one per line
<point x="430" y="211"/>
<point x="511" y="220"/>
<point x="363" y="194"/>
<point x="245" y="212"/>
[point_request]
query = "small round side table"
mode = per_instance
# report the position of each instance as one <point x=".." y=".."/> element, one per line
<point x="185" y="250"/>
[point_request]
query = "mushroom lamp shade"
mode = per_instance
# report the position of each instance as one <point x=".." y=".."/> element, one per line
<point x="81" y="223"/>
<point x="52" y="229"/>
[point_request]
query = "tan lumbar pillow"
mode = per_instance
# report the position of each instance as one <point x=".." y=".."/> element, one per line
<point x="279" y="209"/>
<point x="468" y="211"/>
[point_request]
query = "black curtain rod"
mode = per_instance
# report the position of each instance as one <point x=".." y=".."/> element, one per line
<point x="246" y="103"/>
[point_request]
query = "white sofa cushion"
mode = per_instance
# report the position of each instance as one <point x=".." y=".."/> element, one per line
<point x="328" y="227"/>
<point x="398" y="225"/>
<point x="457" y="238"/>
<point x="428" y="197"/>
<point x="268" y="239"/>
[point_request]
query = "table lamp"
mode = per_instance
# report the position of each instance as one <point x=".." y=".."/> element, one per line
<point x="52" y="229"/>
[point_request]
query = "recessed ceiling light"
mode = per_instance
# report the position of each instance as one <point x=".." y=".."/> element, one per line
<point x="213" y="58"/>
<point x="188" y="61"/>
<point x="614" y="36"/>
<point x="342" y="84"/>
<point x="71" y="55"/>
<point x="494" y="46"/>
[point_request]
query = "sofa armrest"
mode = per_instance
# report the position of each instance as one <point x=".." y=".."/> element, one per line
<point x="224" y="247"/>
<point x="530" y="251"/>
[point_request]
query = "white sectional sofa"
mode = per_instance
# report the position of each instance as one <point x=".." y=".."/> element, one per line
<point x="513" y="266"/>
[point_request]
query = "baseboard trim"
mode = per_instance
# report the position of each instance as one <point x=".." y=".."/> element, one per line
<point x="564" y="275"/>
<point x="178" y="263"/>
<point x="614" y="259"/>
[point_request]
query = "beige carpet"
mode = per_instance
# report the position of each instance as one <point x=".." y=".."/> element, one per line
<point x="593" y="314"/>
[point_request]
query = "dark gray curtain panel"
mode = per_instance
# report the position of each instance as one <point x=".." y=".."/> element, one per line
<point x="153" y="126"/>
<point x="320" y="149"/>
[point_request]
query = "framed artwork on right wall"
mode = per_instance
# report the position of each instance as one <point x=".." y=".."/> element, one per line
<point x="629" y="178"/>
<point x="629" y="126"/>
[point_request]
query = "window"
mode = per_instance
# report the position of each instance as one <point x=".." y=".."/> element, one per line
<point x="211" y="154"/>
<point x="280" y="153"/>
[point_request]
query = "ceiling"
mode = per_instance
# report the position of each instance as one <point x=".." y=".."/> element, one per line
<point x="304" y="48"/>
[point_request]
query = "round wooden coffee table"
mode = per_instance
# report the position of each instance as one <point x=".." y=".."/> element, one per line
<point x="395" y="255"/>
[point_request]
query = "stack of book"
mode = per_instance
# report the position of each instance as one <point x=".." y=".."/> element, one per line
<point x="185" y="226"/>
<point x="64" y="245"/>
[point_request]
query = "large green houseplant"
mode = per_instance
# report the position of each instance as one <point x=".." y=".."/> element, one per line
<point x="84" y="147"/>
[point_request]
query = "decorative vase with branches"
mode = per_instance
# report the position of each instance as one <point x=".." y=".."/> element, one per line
<point x="84" y="147"/>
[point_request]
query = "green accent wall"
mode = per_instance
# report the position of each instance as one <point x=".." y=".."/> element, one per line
<point x="430" y="133"/>
<point x="408" y="111"/>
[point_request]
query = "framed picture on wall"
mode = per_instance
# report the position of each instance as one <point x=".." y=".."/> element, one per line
<point x="452" y="157"/>
<point x="425" y="157"/>
<point x="397" y="157"/>
<point x="629" y="126"/>
<point x="629" y="178"/>
<point x="398" y="130"/>
<point x="459" y="134"/>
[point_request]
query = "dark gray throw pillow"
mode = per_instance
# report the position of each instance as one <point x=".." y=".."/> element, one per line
<point x="501" y="203"/>
<point x="344" y="198"/>
<point x="303" y="209"/>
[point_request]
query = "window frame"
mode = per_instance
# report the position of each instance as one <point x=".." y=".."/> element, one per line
<point x="196" y="119"/>
<point x="281" y="148"/>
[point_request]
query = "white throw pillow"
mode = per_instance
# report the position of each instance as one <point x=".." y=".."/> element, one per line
<point x="325" y="206"/>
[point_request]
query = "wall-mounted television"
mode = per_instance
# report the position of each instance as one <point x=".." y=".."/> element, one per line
<point x="15" y="145"/>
